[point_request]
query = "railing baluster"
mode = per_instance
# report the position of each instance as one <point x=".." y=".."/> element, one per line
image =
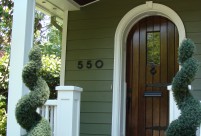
<point x="55" y="120"/>
<point x="48" y="111"/>
<point x="43" y="111"/>
<point x="52" y="118"/>
<point x="38" y="110"/>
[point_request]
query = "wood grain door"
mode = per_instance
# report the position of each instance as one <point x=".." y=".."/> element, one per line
<point x="151" y="64"/>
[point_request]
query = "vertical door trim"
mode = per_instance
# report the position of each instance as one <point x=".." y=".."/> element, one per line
<point x="119" y="80"/>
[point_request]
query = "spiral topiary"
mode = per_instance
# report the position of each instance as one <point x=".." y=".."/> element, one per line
<point x="26" y="114"/>
<point x="190" y="118"/>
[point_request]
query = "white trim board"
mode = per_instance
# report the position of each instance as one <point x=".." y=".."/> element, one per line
<point x="63" y="51"/>
<point x="119" y="80"/>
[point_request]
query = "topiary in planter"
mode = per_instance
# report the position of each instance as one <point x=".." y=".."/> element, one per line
<point x="26" y="114"/>
<point x="190" y="118"/>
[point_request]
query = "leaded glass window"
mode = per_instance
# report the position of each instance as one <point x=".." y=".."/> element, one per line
<point x="153" y="47"/>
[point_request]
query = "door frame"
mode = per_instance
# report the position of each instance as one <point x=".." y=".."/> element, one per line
<point x="119" y="76"/>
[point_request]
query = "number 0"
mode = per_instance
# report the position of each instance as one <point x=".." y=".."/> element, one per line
<point x="99" y="64"/>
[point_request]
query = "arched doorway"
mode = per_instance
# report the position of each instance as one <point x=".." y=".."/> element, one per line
<point x="151" y="63"/>
<point x="119" y="74"/>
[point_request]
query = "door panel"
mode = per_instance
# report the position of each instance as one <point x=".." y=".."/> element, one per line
<point x="151" y="64"/>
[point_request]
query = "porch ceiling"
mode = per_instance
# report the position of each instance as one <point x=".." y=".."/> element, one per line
<point x="57" y="7"/>
<point x="84" y="2"/>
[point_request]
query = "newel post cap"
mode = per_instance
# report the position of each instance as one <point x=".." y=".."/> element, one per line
<point x="169" y="87"/>
<point x="69" y="88"/>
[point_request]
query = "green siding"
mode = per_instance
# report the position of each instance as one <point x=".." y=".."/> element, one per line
<point x="93" y="75"/>
<point x="89" y="54"/>
<point x="195" y="36"/>
<point x="99" y="86"/>
<point x="90" y="33"/>
<point x="103" y="118"/>
<point x="91" y="23"/>
<point x="97" y="97"/>
<point x="193" y="27"/>
<point x="101" y="43"/>
<point x="190" y="15"/>
<point x="95" y="107"/>
<point x="93" y="135"/>
<point x="91" y="37"/>
<point x="101" y="129"/>
<point x="198" y="48"/>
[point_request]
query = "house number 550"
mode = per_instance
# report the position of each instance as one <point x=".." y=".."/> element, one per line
<point x="89" y="64"/>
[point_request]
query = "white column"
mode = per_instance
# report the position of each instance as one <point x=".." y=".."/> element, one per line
<point x="63" y="52"/>
<point x="174" y="112"/>
<point x="22" y="40"/>
<point x="68" y="110"/>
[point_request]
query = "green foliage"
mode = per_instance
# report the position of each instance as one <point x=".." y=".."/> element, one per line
<point x="190" y="118"/>
<point x="4" y="69"/>
<point x="6" y="17"/>
<point x="39" y="16"/>
<point x="51" y="72"/>
<point x="186" y="51"/>
<point x="51" y="60"/>
<point x="3" y="116"/>
<point x="6" y="14"/>
<point x="53" y="45"/>
<point x="54" y="36"/>
<point x="49" y="49"/>
<point x="26" y="114"/>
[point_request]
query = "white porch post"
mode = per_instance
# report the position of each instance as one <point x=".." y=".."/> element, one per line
<point x="63" y="52"/>
<point x="68" y="110"/>
<point x="174" y="112"/>
<point x="22" y="40"/>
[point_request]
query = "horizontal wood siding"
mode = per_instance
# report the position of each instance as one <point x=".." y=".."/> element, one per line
<point x="192" y="22"/>
<point x="91" y="37"/>
<point x="190" y="15"/>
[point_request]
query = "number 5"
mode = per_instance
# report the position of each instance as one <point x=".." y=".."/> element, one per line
<point x="80" y="65"/>
<point x="89" y="64"/>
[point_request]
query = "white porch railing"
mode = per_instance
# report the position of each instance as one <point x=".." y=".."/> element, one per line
<point x="49" y="111"/>
<point x="64" y="112"/>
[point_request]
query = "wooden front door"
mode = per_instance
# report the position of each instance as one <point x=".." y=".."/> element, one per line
<point x="151" y="65"/>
